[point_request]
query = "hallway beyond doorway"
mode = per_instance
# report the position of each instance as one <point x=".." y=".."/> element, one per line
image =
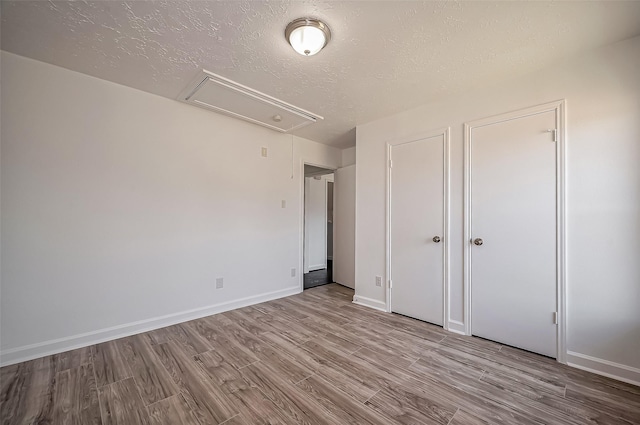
<point x="319" y="277"/>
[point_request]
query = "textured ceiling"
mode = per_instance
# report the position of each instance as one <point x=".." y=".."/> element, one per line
<point x="384" y="57"/>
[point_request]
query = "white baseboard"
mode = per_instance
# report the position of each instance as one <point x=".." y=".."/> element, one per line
<point x="456" y="327"/>
<point x="603" y="367"/>
<point x="60" y="345"/>
<point x="369" y="302"/>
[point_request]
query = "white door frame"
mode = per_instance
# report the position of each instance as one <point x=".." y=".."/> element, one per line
<point x="559" y="107"/>
<point x="304" y="162"/>
<point x="445" y="133"/>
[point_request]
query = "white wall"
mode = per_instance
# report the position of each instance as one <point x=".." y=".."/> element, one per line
<point x="344" y="226"/>
<point x="348" y="156"/>
<point x="121" y="208"/>
<point x="602" y="89"/>
<point x="316" y="222"/>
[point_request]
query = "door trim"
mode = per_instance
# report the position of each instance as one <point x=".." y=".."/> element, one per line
<point x="446" y="135"/>
<point x="559" y="107"/>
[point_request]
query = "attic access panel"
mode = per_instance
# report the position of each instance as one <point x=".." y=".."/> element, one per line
<point x="222" y="95"/>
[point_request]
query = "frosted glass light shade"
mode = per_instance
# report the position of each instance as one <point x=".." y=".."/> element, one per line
<point x="307" y="36"/>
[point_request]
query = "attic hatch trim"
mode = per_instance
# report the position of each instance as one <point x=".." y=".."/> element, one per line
<point x="280" y="105"/>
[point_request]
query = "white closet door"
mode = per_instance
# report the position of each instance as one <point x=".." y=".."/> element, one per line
<point x="513" y="232"/>
<point x="417" y="229"/>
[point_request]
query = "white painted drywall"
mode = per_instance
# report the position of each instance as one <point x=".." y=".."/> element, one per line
<point x="121" y="207"/>
<point x="344" y="226"/>
<point x="602" y="89"/>
<point x="348" y="156"/>
<point x="315" y="222"/>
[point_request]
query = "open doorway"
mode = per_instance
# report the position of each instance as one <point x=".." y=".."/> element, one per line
<point x="318" y="226"/>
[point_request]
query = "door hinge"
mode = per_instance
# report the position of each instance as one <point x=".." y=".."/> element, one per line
<point x="390" y="283"/>
<point x="554" y="134"/>
<point x="555" y="317"/>
<point x="390" y="163"/>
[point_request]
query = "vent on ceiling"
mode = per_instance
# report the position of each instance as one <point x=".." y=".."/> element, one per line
<point x="222" y="95"/>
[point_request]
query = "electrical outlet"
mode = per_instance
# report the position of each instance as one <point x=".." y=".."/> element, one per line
<point x="293" y="272"/>
<point x="378" y="280"/>
<point x="219" y="283"/>
<point x="264" y="152"/>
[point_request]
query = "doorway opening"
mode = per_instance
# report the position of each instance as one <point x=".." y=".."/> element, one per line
<point x="318" y="226"/>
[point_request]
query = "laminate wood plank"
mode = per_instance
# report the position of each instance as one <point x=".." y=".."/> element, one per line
<point x="624" y="409"/>
<point x="108" y="364"/>
<point x="345" y="408"/>
<point x="290" y="369"/>
<point x="208" y="330"/>
<point x="288" y="310"/>
<point x="295" y="332"/>
<point x="238" y="346"/>
<point x="339" y="342"/>
<point x="446" y="364"/>
<point x="217" y="320"/>
<point x="72" y="359"/>
<point x="399" y="380"/>
<point x="209" y="403"/>
<point x="242" y="337"/>
<point x="292" y="351"/>
<point x="342" y="373"/>
<point x="152" y="380"/>
<point x="465" y="418"/>
<point x="352" y="386"/>
<point x="173" y="410"/>
<point x="366" y="336"/>
<point x="388" y="356"/>
<point x="313" y="310"/>
<point x="526" y="385"/>
<point x="120" y="404"/>
<point x="219" y="371"/>
<point x="281" y="310"/>
<point x="423" y="330"/>
<point x="222" y="339"/>
<point x="256" y="408"/>
<point x="396" y="322"/>
<point x="249" y="319"/>
<point x="76" y="397"/>
<point x="410" y="345"/>
<point x="27" y="395"/>
<point x="585" y="413"/>
<point x="471" y="344"/>
<point x="526" y="407"/>
<point x="287" y="397"/>
<point x="159" y="336"/>
<point x="14" y="384"/>
<point x="406" y="407"/>
<point x="237" y="420"/>
<point x="191" y="340"/>
<point x="551" y="382"/>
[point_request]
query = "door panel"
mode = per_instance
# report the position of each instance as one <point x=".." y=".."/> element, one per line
<point x="513" y="210"/>
<point x="416" y="208"/>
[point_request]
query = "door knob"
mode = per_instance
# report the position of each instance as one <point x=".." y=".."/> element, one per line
<point x="436" y="239"/>
<point x="478" y="241"/>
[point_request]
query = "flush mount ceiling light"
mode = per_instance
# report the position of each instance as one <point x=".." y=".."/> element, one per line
<point x="307" y="36"/>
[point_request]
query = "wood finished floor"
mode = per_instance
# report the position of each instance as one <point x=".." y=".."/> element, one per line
<point x="313" y="358"/>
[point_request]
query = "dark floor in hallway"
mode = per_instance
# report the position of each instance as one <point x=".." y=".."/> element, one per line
<point x="319" y="277"/>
